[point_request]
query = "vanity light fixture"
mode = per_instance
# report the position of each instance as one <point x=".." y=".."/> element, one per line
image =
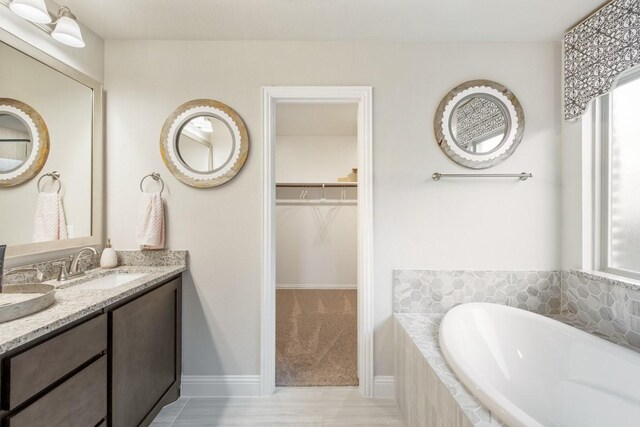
<point x="203" y="124"/>
<point x="31" y="10"/>
<point x="65" y="28"/>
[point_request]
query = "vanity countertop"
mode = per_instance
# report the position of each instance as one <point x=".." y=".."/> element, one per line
<point x="73" y="303"/>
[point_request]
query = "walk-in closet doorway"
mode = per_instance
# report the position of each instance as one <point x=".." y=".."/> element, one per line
<point x="317" y="238"/>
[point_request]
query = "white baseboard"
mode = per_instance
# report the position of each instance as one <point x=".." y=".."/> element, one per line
<point x="316" y="286"/>
<point x="384" y="387"/>
<point x="249" y="385"/>
<point x="220" y="385"/>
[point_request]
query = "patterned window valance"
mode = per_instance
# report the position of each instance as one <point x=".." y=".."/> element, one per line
<point x="597" y="51"/>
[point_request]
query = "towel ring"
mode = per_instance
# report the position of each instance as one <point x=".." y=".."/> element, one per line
<point x="55" y="176"/>
<point x="156" y="177"/>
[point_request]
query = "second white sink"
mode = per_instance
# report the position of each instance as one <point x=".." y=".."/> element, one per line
<point x="111" y="281"/>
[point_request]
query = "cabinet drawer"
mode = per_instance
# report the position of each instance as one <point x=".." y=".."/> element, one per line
<point x="80" y="401"/>
<point x="33" y="370"/>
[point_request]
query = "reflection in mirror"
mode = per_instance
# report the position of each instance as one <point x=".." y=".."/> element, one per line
<point x="40" y="103"/>
<point x="205" y="144"/>
<point x="15" y="142"/>
<point x="478" y="124"/>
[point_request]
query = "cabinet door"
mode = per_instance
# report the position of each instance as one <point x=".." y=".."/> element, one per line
<point x="144" y="353"/>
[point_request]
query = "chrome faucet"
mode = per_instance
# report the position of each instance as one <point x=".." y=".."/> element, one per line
<point x="73" y="268"/>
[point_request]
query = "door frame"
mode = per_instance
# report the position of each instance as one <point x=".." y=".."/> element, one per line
<point x="362" y="96"/>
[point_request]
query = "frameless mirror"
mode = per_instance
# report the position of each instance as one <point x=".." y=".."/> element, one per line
<point x="479" y="124"/>
<point x="205" y="143"/>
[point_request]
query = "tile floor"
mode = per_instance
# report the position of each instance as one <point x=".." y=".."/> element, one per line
<point x="292" y="406"/>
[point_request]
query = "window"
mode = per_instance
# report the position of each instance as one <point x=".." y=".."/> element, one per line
<point x="620" y="178"/>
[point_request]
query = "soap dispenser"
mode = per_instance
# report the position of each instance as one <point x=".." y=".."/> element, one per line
<point x="109" y="259"/>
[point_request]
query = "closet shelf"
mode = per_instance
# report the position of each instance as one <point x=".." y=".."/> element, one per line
<point x="304" y="202"/>
<point x="315" y="184"/>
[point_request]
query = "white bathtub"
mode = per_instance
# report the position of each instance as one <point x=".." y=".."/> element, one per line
<point x="530" y="370"/>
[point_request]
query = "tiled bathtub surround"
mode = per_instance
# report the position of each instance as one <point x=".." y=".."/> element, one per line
<point x="608" y="306"/>
<point x="427" y="291"/>
<point x="427" y="391"/>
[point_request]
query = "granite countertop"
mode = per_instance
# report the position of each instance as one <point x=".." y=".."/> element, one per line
<point x="72" y="303"/>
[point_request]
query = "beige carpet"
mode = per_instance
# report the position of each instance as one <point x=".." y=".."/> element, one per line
<point x="316" y="337"/>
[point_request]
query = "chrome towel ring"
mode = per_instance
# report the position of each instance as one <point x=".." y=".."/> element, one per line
<point x="156" y="177"/>
<point x="55" y="176"/>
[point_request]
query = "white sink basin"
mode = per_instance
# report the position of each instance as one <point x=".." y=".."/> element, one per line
<point x="111" y="281"/>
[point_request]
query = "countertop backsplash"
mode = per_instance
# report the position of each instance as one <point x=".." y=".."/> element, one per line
<point x="51" y="268"/>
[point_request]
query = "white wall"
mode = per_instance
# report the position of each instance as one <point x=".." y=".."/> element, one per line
<point x="315" y="158"/>
<point x="89" y="60"/>
<point x="417" y="222"/>
<point x="575" y="194"/>
<point x="316" y="245"/>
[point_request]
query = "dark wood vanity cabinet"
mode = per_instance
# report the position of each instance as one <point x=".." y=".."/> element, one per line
<point x="116" y="367"/>
<point x="145" y="355"/>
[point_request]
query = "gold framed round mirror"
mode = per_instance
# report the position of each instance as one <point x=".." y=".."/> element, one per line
<point x="204" y="143"/>
<point x="24" y="142"/>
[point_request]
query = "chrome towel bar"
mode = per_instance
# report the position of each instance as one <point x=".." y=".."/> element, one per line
<point x="521" y="176"/>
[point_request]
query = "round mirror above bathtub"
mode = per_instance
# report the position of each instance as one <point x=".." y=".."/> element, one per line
<point x="479" y="124"/>
<point x="204" y="143"/>
<point x="24" y="142"/>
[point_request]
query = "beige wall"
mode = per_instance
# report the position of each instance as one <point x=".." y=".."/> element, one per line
<point x="315" y="158"/>
<point x="470" y="224"/>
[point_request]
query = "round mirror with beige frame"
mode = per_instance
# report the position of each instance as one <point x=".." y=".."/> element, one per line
<point x="204" y="143"/>
<point x="24" y="142"/>
<point x="479" y="124"/>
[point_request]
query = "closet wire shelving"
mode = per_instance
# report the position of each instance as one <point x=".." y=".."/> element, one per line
<point x="319" y="197"/>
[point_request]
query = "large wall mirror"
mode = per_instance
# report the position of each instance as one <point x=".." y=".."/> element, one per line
<point x="50" y="152"/>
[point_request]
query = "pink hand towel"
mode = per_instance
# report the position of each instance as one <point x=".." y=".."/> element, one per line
<point x="150" y="230"/>
<point x="49" y="223"/>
